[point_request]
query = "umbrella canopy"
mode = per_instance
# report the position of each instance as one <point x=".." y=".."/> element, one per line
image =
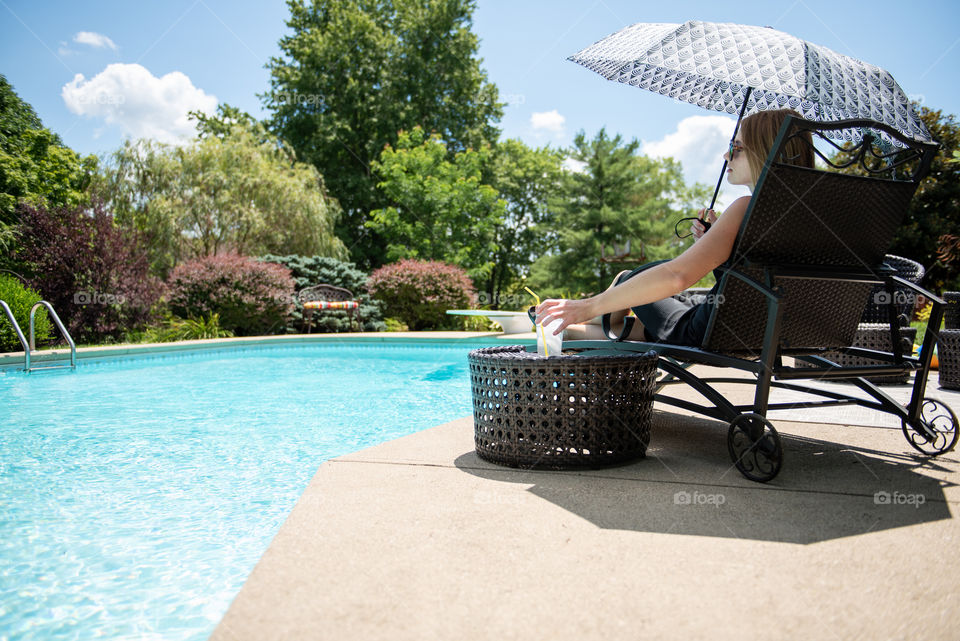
<point x="720" y="65"/>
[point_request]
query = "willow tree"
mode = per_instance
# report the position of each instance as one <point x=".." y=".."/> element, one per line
<point x="230" y="193"/>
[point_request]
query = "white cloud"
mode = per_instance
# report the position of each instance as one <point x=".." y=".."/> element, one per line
<point x="574" y="166"/>
<point x="550" y="121"/>
<point x="142" y="105"/>
<point x="698" y="144"/>
<point x="94" y="40"/>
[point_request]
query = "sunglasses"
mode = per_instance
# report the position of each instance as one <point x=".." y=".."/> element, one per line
<point x="734" y="148"/>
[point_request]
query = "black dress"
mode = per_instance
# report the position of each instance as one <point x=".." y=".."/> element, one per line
<point x="676" y="321"/>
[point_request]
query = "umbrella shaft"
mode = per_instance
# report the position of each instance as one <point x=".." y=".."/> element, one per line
<point x="719" y="182"/>
<point x="736" y="128"/>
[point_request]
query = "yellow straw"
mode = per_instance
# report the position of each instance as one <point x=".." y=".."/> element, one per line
<point x="540" y="328"/>
<point x="535" y="297"/>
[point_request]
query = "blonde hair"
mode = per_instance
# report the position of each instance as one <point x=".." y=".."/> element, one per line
<point x="759" y="131"/>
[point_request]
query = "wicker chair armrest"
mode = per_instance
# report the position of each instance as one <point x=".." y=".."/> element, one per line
<point x="763" y="289"/>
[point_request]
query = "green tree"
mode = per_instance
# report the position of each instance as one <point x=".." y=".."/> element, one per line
<point x="440" y="211"/>
<point x="35" y="166"/>
<point x="355" y="72"/>
<point x="525" y="179"/>
<point x="618" y="196"/>
<point x="221" y="194"/>
<point x="227" y="118"/>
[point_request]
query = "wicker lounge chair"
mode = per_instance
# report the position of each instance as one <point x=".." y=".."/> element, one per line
<point x="809" y="251"/>
<point x="325" y="297"/>
<point x="874" y="329"/>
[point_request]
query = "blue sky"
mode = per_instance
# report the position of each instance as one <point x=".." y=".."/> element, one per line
<point x="195" y="53"/>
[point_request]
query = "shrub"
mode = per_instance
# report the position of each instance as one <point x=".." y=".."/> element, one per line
<point x="419" y="293"/>
<point x="94" y="273"/>
<point x="395" y="325"/>
<point x="182" y="329"/>
<point x="314" y="270"/>
<point x="20" y="299"/>
<point x="252" y="298"/>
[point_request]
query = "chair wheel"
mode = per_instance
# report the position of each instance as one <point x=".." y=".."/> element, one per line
<point x="755" y="447"/>
<point x="938" y="432"/>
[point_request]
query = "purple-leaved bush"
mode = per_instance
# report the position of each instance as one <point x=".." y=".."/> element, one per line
<point x="93" y="272"/>
<point x="252" y="298"/>
<point x="419" y="293"/>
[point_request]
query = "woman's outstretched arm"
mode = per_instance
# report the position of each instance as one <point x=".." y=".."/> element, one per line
<point x="656" y="283"/>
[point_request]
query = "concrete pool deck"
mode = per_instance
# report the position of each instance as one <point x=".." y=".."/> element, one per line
<point x="418" y="538"/>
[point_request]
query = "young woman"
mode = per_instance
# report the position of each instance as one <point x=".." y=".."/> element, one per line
<point x="648" y="289"/>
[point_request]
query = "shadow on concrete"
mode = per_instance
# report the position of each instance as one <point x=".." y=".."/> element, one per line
<point x="686" y="485"/>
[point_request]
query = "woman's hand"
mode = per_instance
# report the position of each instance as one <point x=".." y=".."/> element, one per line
<point x="570" y="312"/>
<point x="697" y="228"/>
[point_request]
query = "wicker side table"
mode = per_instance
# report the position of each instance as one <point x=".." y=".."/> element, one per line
<point x="874" y="336"/>
<point x="563" y="411"/>
<point x="948" y="352"/>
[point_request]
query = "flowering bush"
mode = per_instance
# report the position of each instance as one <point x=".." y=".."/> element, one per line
<point x="94" y="272"/>
<point x="419" y="293"/>
<point x="251" y="298"/>
<point x="21" y="299"/>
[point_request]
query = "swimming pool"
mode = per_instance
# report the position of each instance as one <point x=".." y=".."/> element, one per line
<point x="137" y="494"/>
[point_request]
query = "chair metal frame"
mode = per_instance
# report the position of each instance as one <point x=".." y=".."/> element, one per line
<point x="753" y="443"/>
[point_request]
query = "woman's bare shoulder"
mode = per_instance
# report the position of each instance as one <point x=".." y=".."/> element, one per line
<point x="739" y="205"/>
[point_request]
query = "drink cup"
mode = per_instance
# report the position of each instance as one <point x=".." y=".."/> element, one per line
<point x="549" y="344"/>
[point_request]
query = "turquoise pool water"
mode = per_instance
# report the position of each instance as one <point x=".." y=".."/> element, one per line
<point x="137" y="495"/>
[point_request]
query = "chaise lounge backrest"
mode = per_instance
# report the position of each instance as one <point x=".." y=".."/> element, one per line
<point x="803" y="225"/>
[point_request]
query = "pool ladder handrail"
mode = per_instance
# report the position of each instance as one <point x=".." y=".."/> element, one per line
<point x="31" y="346"/>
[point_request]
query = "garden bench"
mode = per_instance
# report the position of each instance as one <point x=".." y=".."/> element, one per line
<point x="325" y="297"/>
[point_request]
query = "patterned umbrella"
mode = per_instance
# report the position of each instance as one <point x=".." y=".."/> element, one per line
<point x="714" y="64"/>
<point x="740" y="68"/>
